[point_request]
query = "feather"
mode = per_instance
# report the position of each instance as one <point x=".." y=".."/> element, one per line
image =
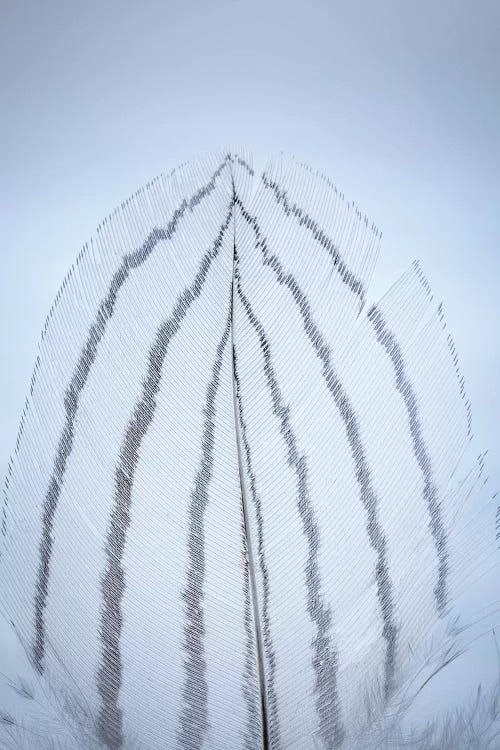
<point x="231" y="519"/>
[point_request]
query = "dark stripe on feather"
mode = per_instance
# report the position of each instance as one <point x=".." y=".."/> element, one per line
<point x="369" y="499"/>
<point x="387" y="339"/>
<point x="71" y="401"/>
<point x="347" y="276"/>
<point x="253" y="729"/>
<point x="270" y="656"/>
<point x="113" y="583"/>
<point x="325" y="662"/>
<point x="194" y="714"/>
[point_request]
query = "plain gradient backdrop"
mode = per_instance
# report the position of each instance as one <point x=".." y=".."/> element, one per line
<point x="398" y="102"/>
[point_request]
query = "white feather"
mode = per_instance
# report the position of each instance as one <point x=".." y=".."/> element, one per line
<point x="228" y="520"/>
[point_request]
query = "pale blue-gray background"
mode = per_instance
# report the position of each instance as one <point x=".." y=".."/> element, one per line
<point x="397" y="101"/>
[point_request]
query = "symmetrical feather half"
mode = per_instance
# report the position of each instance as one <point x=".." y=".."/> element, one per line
<point x="228" y="518"/>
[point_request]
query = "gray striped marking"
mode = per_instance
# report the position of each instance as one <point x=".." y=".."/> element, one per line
<point x="113" y="583"/>
<point x="347" y="276"/>
<point x="369" y="499"/>
<point x="253" y="734"/>
<point x="194" y="713"/>
<point x="387" y="339"/>
<point x="86" y="359"/>
<point x="271" y="699"/>
<point x="325" y="659"/>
